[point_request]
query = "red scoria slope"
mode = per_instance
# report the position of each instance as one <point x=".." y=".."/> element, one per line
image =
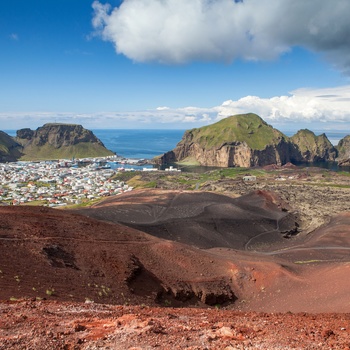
<point x="59" y="325"/>
<point x="68" y="258"/>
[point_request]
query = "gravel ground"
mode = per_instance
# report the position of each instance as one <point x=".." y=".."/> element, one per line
<point x="52" y="325"/>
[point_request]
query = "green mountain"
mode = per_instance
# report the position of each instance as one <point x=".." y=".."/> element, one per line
<point x="248" y="128"/>
<point x="51" y="141"/>
<point x="57" y="141"/>
<point x="314" y="148"/>
<point x="344" y="151"/>
<point x="246" y="140"/>
<point x="10" y="150"/>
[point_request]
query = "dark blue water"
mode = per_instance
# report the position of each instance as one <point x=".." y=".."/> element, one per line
<point x="139" y="144"/>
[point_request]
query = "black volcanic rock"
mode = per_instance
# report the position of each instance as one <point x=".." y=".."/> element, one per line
<point x="25" y="134"/>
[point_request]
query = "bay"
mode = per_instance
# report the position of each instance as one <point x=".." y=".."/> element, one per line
<point x="139" y="143"/>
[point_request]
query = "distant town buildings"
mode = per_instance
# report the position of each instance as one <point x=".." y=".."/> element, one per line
<point x="63" y="182"/>
<point x="57" y="183"/>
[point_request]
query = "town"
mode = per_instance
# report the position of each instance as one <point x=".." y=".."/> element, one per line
<point x="65" y="182"/>
<point x="57" y="183"/>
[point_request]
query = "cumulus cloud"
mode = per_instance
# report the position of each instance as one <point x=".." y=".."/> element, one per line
<point x="301" y="106"/>
<point x="177" y="31"/>
<point x="327" y="108"/>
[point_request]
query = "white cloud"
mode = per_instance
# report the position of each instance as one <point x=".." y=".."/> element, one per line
<point x="177" y="31"/>
<point x="302" y="107"/>
<point x="156" y="118"/>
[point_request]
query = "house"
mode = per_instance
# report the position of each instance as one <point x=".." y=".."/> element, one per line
<point x="249" y="178"/>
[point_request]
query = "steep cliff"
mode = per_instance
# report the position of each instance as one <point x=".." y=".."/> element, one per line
<point x="245" y="140"/>
<point x="314" y="148"/>
<point x="10" y="150"/>
<point x="344" y="151"/>
<point x="242" y="140"/>
<point x="55" y="141"/>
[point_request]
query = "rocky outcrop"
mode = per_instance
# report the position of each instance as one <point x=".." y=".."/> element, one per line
<point x="57" y="135"/>
<point x="232" y="154"/>
<point x="54" y="141"/>
<point x="246" y="141"/>
<point x="314" y="148"/>
<point x="238" y="141"/>
<point x="344" y="151"/>
<point x="10" y="150"/>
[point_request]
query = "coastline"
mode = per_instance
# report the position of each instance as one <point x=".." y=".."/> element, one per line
<point x="149" y="143"/>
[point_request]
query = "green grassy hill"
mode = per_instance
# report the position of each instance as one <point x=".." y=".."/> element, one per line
<point x="59" y="141"/>
<point x="344" y="147"/>
<point x="314" y="147"/>
<point x="81" y="150"/>
<point x="248" y="128"/>
<point x="9" y="149"/>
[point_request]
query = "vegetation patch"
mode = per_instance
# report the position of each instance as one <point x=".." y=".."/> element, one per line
<point x="189" y="161"/>
<point x="137" y="182"/>
<point x="125" y="175"/>
<point x="309" y="261"/>
<point x="185" y="180"/>
<point x="80" y="150"/>
<point x="248" y="128"/>
<point x="84" y="203"/>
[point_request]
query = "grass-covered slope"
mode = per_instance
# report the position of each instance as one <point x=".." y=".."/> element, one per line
<point x="246" y="140"/>
<point x="248" y="128"/>
<point x="9" y="149"/>
<point x="48" y="152"/>
<point x="57" y="141"/>
<point x="344" y="148"/>
<point x="306" y="140"/>
<point x="314" y="147"/>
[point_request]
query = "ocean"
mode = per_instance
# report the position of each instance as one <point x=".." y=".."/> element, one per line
<point x="139" y="144"/>
<point x="148" y="143"/>
<point x="135" y="143"/>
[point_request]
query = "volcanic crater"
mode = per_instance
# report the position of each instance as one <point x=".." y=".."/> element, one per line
<point x="171" y="249"/>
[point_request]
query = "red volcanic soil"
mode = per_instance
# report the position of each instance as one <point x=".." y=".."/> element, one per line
<point x="275" y="268"/>
<point x="56" y="254"/>
<point x="60" y="325"/>
<point x="62" y="255"/>
<point x="201" y="250"/>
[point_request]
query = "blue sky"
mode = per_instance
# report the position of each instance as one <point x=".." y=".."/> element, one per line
<point x="174" y="63"/>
